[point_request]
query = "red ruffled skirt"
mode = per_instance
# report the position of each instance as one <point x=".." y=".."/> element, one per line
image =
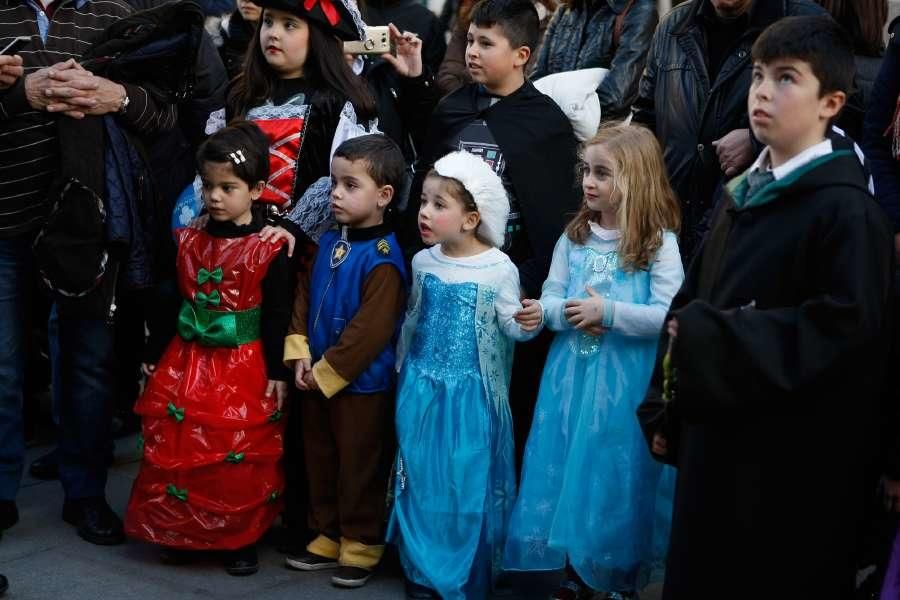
<point x="211" y="476"/>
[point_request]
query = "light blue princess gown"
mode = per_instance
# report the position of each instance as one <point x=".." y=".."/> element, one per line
<point x="590" y="492"/>
<point x="455" y="475"/>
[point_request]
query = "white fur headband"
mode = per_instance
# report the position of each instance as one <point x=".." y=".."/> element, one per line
<point x="486" y="188"/>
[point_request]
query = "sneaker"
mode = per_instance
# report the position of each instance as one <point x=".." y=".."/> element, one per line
<point x="351" y="577"/>
<point x="242" y="562"/>
<point x="308" y="561"/>
<point x="414" y="591"/>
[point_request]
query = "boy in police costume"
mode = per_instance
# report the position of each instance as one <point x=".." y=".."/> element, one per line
<point x="347" y="313"/>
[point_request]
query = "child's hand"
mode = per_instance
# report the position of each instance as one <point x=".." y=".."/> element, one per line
<point x="583" y="313"/>
<point x="276" y="234"/>
<point x="672" y="327"/>
<point x="529" y="318"/>
<point x="311" y="383"/>
<point x="148" y="369"/>
<point x="594" y="330"/>
<point x="408" y="46"/>
<point x="660" y="445"/>
<point x="302" y="366"/>
<point x="280" y="390"/>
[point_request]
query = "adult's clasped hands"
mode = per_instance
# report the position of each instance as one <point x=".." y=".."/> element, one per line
<point x="70" y="89"/>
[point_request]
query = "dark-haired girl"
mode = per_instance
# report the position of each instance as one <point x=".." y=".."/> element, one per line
<point x="297" y="87"/>
<point x="212" y="407"/>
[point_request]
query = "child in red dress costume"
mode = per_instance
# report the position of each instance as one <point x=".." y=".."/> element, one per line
<point x="212" y="408"/>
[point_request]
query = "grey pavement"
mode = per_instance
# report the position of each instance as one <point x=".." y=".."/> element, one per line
<point x="44" y="559"/>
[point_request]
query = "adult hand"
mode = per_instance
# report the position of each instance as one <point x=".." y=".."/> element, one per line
<point x="408" y="61"/>
<point x="735" y="151"/>
<point x="585" y="312"/>
<point x="37" y="83"/>
<point x="10" y="70"/>
<point x="78" y="93"/>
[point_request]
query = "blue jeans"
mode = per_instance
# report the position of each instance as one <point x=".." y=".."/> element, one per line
<point x="81" y="359"/>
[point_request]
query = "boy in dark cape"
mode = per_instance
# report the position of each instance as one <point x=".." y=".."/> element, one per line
<point x="768" y="400"/>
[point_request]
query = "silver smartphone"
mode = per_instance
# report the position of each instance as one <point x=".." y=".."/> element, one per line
<point x="377" y="41"/>
<point x="15" y="45"/>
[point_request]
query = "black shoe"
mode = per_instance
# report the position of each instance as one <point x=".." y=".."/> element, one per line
<point x="45" y="467"/>
<point x="308" y="561"/>
<point x="176" y="556"/>
<point x="350" y="577"/>
<point x="95" y="520"/>
<point x="9" y="514"/>
<point x="242" y="562"/>
<point x="414" y="591"/>
<point x="4" y="584"/>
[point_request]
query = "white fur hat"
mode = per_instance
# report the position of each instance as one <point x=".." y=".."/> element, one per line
<point x="486" y="188"/>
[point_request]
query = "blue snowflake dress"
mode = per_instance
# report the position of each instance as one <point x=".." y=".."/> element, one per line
<point x="455" y="475"/>
<point x="591" y="494"/>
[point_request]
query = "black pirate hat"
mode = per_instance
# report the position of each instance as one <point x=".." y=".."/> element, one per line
<point x="341" y="17"/>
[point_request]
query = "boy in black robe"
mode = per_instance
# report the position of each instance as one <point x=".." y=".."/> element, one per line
<point x="778" y="347"/>
<point x="529" y="142"/>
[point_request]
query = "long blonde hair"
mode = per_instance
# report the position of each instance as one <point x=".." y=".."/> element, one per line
<point x="646" y="203"/>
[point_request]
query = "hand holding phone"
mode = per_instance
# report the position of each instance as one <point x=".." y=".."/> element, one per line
<point x="11" y="63"/>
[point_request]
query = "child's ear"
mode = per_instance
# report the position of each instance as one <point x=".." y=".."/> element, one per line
<point x="831" y="104"/>
<point x="523" y="53"/>
<point x="471" y="220"/>
<point x="257" y="190"/>
<point x="385" y="195"/>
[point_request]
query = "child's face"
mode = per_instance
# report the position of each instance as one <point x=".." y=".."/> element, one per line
<point x="786" y="112"/>
<point x="443" y="218"/>
<point x="284" y="41"/>
<point x="491" y="60"/>
<point x="597" y="181"/>
<point x="249" y="11"/>
<point x="356" y="199"/>
<point x="227" y="197"/>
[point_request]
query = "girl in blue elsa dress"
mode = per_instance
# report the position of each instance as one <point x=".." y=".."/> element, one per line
<point x="455" y="478"/>
<point x="592" y="499"/>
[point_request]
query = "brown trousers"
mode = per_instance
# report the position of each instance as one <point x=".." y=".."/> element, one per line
<point x="350" y="444"/>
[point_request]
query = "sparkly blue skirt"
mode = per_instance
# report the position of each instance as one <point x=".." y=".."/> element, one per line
<point x="591" y="494"/>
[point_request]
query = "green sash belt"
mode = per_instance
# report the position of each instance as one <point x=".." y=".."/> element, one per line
<point x="227" y="329"/>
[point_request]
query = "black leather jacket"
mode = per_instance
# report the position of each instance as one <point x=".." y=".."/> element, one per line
<point x="581" y="37"/>
<point x="688" y="112"/>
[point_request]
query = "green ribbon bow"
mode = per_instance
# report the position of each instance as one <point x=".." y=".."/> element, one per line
<point x="181" y="494"/>
<point x="176" y="412"/>
<point x="274" y="496"/>
<point x="234" y="458"/>
<point x="275" y="416"/>
<point x="215" y="275"/>
<point x="219" y="328"/>
<point x="213" y="298"/>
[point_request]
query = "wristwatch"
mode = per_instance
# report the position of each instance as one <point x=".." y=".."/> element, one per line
<point x="125" y="102"/>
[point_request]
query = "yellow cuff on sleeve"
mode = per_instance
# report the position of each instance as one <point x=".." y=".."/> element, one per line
<point x="330" y="383"/>
<point x="296" y="346"/>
